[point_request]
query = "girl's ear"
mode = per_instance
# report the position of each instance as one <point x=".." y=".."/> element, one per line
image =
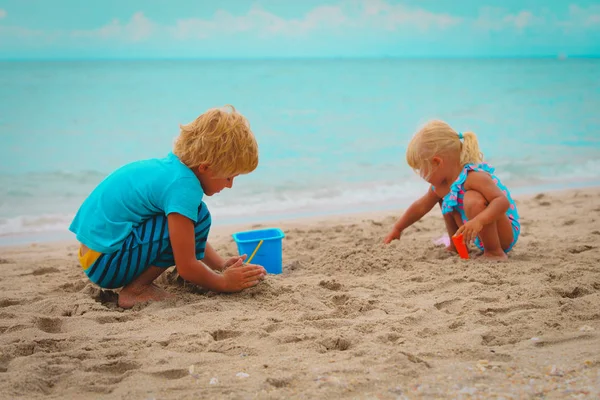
<point x="436" y="161"/>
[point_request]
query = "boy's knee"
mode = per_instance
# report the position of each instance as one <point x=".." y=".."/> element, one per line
<point x="474" y="202"/>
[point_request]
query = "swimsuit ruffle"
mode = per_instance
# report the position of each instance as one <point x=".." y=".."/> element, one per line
<point x="451" y="200"/>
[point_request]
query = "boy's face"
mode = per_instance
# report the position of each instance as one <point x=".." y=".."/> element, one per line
<point x="213" y="183"/>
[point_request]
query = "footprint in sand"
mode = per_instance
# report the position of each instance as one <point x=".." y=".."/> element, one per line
<point x="49" y="325"/>
<point x="279" y="382"/>
<point x="50" y="345"/>
<point x="580" y="248"/>
<point x="171" y="374"/>
<point x="331" y="285"/>
<point x="571" y="293"/>
<point x="45" y="271"/>
<point x="336" y="343"/>
<point x="556" y="340"/>
<point x="340" y="299"/>
<point x="273" y="328"/>
<point x="105" y="297"/>
<point x="117" y="367"/>
<point x="445" y="304"/>
<point x="73" y="287"/>
<point x="222" y="334"/>
<point x="114" y="318"/>
<point x="493" y="311"/>
<point x="9" y="302"/>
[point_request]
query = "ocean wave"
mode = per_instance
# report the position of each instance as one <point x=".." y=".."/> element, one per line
<point x="34" y="224"/>
<point x="72" y="176"/>
<point x="234" y="208"/>
<point x="283" y="202"/>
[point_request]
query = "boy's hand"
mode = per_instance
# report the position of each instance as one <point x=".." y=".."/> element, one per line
<point x="470" y="230"/>
<point x="231" y="261"/>
<point x="239" y="276"/>
<point x="393" y="235"/>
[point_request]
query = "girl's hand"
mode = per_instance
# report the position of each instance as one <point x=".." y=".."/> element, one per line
<point x="470" y="230"/>
<point x="393" y="235"/>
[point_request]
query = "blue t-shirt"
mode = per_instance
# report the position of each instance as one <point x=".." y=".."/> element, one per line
<point x="133" y="194"/>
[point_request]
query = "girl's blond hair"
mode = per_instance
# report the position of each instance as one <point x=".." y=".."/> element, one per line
<point x="221" y="138"/>
<point x="438" y="138"/>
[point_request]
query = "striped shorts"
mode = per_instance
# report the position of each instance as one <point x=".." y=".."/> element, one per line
<point x="147" y="245"/>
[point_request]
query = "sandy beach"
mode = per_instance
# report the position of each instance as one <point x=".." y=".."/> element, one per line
<point x="348" y="318"/>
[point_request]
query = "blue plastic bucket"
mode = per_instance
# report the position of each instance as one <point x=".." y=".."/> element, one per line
<point x="270" y="252"/>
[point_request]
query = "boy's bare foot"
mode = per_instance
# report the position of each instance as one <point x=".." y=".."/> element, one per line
<point x="131" y="295"/>
<point x="451" y="249"/>
<point x="495" y="256"/>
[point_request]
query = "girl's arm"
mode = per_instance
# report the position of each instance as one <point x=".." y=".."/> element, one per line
<point x="414" y="213"/>
<point x="497" y="205"/>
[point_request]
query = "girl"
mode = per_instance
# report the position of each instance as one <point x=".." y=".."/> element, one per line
<point x="473" y="200"/>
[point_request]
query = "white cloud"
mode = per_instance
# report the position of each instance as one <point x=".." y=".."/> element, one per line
<point x="520" y="20"/>
<point x="137" y="29"/>
<point x="496" y="19"/>
<point x="26" y="33"/>
<point x="587" y="17"/>
<point x="3" y="13"/>
<point x="577" y="19"/>
<point x="371" y="14"/>
<point x="346" y="17"/>
<point x="379" y="13"/>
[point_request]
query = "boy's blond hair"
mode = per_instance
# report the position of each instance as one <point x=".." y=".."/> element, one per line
<point x="221" y="138"/>
<point x="438" y="138"/>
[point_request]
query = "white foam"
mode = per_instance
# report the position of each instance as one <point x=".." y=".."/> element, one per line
<point x="240" y="206"/>
<point x="233" y="207"/>
<point x="34" y="224"/>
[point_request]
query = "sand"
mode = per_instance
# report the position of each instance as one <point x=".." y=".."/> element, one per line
<point x="348" y="318"/>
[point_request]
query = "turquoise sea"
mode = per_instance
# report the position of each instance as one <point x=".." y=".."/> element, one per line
<point x="331" y="133"/>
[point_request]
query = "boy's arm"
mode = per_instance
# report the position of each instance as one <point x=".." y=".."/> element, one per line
<point x="181" y="233"/>
<point x="235" y="278"/>
<point x="213" y="259"/>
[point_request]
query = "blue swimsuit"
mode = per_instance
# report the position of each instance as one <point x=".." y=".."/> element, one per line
<point x="454" y="200"/>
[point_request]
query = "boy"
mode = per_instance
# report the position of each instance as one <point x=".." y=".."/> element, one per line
<point x="149" y="215"/>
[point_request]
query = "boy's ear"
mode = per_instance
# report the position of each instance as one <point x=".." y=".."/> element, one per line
<point x="202" y="168"/>
<point x="436" y="161"/>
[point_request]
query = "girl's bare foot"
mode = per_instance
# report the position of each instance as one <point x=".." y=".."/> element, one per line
<point x="131" y="295"/>
<point x="495" y="255"/>
<point x="451" y="248"/>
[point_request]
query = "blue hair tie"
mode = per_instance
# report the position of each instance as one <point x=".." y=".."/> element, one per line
<point x="460" y="136"/>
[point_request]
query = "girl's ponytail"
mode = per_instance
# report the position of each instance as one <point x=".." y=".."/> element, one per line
<point x="469" y="152"/>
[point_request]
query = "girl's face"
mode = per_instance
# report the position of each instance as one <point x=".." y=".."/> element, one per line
<point x="432" y="172"/>
<point x="442" y="170"/>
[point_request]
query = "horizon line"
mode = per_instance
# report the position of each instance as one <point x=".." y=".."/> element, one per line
<point x="561" y="57"/>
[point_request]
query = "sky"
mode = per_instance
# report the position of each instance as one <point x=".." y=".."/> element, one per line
<point x="239" y="29"/>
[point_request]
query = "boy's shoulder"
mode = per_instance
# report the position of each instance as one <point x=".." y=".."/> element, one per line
<point x="151" y="173"/>
<point x="169" y="164"/>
